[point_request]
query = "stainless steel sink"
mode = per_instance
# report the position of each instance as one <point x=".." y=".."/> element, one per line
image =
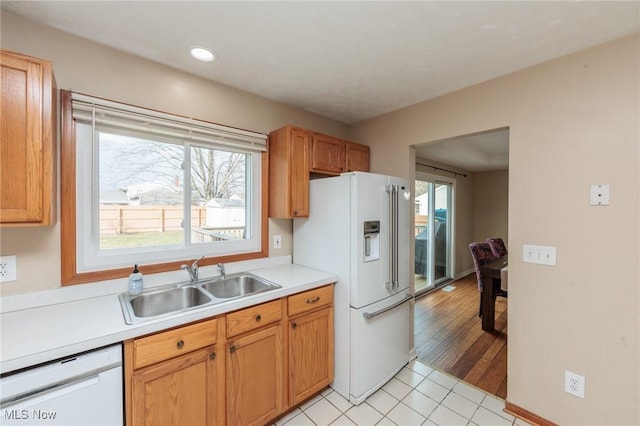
<point x="162" y="301"/>
<point x="237" y="286"/>
<point x="182" y="297"/>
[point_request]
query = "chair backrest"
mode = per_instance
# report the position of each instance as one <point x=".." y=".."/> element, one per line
<point x="497" y="246"/>
<point x="481" y="254"/>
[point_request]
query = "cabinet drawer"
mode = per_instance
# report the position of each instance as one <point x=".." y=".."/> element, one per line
<point x="168" y="344"/>
<point x="254" y="317"/>
<point x="309" y="300"/>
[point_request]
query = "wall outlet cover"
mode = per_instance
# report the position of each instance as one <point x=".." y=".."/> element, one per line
<point x="574" y="384"/>
<point x="8" y="268"/>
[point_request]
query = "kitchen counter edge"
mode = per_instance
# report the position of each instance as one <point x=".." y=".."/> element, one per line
<point x="38" y="335"/>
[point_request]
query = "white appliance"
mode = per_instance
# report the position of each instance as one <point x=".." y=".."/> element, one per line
<point x="358" y="229"/>
<point x="84" y="389"/>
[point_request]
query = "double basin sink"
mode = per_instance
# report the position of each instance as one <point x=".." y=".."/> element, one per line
<point x="183" y="297"/>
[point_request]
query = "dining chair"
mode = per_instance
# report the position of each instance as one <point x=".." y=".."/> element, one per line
<point x="482" y="254"/>
<point x="497" y="246"/>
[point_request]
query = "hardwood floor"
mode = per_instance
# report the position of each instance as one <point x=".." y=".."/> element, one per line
<point x="449" y="337"/>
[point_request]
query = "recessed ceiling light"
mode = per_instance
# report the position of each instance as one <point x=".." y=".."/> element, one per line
<point x="202" y="54"/>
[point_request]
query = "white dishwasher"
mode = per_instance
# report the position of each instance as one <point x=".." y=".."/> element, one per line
<point x="85" y="389"/>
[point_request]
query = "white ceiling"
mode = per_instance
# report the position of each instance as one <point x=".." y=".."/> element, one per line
<point x="480" y="152"/>
<point x="348" y="61"/>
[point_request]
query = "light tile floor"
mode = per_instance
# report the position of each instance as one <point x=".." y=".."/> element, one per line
<point x="417" y="395"/>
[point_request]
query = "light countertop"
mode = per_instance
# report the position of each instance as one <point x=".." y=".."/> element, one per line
<point x="34" y="335"/>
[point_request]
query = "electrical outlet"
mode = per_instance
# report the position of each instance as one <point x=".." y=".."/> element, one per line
<point x="8" y="268"/>
<point x="574" y="384"/>
<point x="277" y="241"/>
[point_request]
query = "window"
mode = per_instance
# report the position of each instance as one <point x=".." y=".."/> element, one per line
<point x="155" y="189"/>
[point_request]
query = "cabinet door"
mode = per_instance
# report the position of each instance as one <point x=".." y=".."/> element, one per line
<point x="26" y="148"/>
<point x="180" y="391"/>
<point x="357" y="157"/>
<point x="255" y="381"/>
<point x="310" y="354"/>
<point x="299" y="173"/>
<point x="289" y="149"/>
<point x="327" y="154"/>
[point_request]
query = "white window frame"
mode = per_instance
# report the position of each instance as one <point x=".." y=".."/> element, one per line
<point x="89" y="257"/>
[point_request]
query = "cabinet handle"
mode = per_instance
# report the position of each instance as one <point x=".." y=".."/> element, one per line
<point x="258" y="318"/>
<point x="180" y="344"/>
<point x="232" y="349"/>
<point x="294" y="325"/>
<point x="212" y="355"/>
<point x="314" y="300"/>
<point x="295" y="212"/>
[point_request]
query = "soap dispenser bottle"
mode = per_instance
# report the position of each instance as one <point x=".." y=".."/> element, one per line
<point x="135" y="281"/>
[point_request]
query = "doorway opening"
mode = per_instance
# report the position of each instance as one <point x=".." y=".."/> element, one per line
<point x="473" y="171"/>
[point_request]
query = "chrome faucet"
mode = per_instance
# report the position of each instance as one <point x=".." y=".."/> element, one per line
<point x="221" y="269"/>
<point x="193" y="269"/>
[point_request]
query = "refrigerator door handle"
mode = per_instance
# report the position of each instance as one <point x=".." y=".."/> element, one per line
<point x="369" y="315"/>
<point x="393" y="282"/>
<point x="390" y="284"/>
<point x="396" y="236"/>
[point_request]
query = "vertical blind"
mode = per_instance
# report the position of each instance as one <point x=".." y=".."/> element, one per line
<point x="91" y="110"/>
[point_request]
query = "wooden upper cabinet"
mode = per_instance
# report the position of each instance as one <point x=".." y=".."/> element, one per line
<point x="294" y="154"/>
<point x="327" y="154"/>
<point x="289" y="149"/>
<point x="357" y="157"/>
<point x="27" y="144"/>
<point x="332" y="156"/>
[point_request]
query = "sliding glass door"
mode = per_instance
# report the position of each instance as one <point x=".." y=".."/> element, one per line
<point x="432" y="235"/>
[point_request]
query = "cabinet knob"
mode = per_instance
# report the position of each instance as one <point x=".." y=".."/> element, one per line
<point x="232" y="349"/>
<point x="258" y="318"/>
<point x="295" y="212"/>
<point x="180" y="344"/>
<point x="212" y="355"/>
<point x="294" y="325"/>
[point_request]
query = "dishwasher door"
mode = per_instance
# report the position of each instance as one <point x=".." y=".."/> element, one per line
<point x="81" y="390"/>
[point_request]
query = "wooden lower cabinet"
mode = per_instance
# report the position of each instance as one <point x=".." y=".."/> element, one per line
<point x="180" y="391"/>
<point x="310" y="354"/>
<point x="254" y="377"/>
<point x="245" y="367"/>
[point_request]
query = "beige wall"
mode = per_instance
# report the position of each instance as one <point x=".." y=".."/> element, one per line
<point x="491" y="205"/>
<point x="573" y="122"/>
<point x="90" y="68"/>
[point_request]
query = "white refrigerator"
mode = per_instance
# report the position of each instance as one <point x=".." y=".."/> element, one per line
<point x="358" y="229"/>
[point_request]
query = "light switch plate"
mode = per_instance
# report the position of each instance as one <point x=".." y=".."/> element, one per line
<point x="600" y="195"/>
<point x="542" y="255"/>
